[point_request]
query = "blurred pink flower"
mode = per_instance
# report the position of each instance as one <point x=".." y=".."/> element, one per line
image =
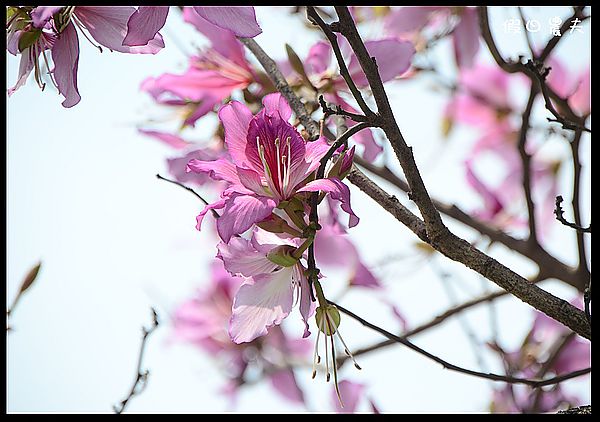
<point x="411" y="20"/>
<point x="211" y="77"/>
<point x="203" y="321"/>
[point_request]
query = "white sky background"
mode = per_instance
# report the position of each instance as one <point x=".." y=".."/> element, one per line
<point x="83" y="198"/>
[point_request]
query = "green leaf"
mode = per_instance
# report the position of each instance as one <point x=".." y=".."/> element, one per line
<point x="297" y="65"/>
<point x="27" y="39"/>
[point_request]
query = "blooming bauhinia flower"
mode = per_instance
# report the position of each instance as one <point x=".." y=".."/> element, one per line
<point x="465" y="33"/>
<point x="54" y="28"/>
<point x="273" y="277"/>
<point x="211" y="77"/>
<point x="203" y="321"/>
<point x="145" y="23"/>
<point x="270" y="165"/>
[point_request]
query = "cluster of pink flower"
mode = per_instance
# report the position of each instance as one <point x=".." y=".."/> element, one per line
<point x="265" y="172"/>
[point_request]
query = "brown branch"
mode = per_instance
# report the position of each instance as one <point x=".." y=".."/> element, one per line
<point x="141" y="379"/>
<point x="282" y="86"/>
<point x="314" y="17"/>
<point x="549" y="266"/>
<point x="558" y="211"/>
<point x="526" y="165"/>
<point x="494" y="377"/>
<point x="440" y="237"/>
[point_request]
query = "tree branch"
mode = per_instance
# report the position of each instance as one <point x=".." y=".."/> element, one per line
<point x="534" y="71"/>
<point x="549" y="266"/>
<point x="526" y="165"/>
<point x="440" y="237"/>
<point x="141" y="379"/>
<point x="314" y="17"/>
<point x="494" y="377"/>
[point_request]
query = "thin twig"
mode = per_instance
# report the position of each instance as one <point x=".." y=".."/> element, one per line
<point x="332" y="37"/>
<point x="558" y="211"/>
<point x="214" y="213"/>
<point x="494" y="377"/>
<point x="141" y="379"/>
<point x="526" y="165"/>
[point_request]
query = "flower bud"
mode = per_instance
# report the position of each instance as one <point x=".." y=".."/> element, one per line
<point x="282" y="255"/>
<point x="328" y="319"/>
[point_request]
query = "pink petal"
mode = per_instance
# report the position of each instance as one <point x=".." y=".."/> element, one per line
<point x="492" y="204"/>
<point x="222" y="40"/>
<point x="197" y="85"/>
<point x="236" y="118"/>
<point x="241" y="212"/>
<point x="220" y="169"/>
<point x="307" y="306"/>
<point x="351" y="393"/>
<point x="144" y="24"/>
<point x="466" y="38"/>
<point x="284" y="382"/>
<point x="319" y="57"/>
<point x="252" y="181"/>
<point x="178" y="166"/>
<point x="108" y="26"/>
<point x="214" y="206"/>
<point x="241" y="20"/>
<point x="408" y="19"/>
<point x="364" y="277"/>
<point x="337" y="190"/>
<point x="174" y="141"/>
<point x="26" y="65"/>
<point x="41" y="15"/>
<point x="393" y="58"/>
<point x="261" y="305"/>
<point x="315" y="150"/>
<point x="275" y="102"/>
<point x="240" y="257"/>
<point x="65" y="55"/>
<point x="581" y="101"/>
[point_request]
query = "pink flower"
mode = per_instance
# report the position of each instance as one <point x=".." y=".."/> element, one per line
<point x="393" y="59"/>
<point x="203" y="321"/>
<point x="575" y="89"/>
<point x="271" y="163"/>
<point x="465" y="34"/>
<point x="105" y="24"/>
<point x="267" y="295"/>
<point x="146" y="21"/>
<point x="211" y="77"/>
